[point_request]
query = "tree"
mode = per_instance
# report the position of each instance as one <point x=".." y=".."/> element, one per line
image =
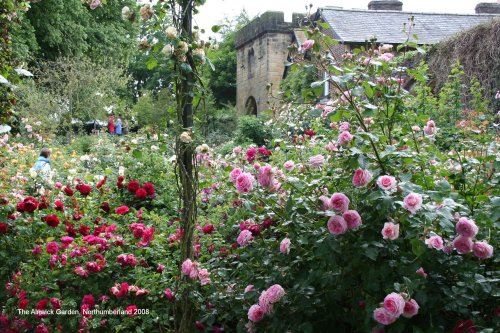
<point x="68" y="28"/>
<point x="222" y="81"/>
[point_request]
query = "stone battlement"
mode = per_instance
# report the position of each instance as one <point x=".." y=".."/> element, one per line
<point x="266" y="23"/>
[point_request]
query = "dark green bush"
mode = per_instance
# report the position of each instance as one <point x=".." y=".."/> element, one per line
<point x="252" y="129"/>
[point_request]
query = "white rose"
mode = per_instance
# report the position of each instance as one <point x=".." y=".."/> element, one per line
<point x="183" y="47"/>
<point x="171" y="32"/>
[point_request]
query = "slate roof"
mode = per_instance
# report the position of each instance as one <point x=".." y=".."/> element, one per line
<point x="358" y="25"/>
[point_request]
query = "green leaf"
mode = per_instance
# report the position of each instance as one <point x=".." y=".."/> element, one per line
<point x="417" y="247"/>
<point x="137" y="153"/>
<point x="216" y="28"/>
<point x="151" y="63"/>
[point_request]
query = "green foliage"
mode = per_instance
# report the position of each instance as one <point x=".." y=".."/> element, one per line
<point x="72" y="90"/>
<point x="252" y="129"/>
<point x="155" y="112"/>
<point x="297" y="84"/>
<point x="68" y="28"/>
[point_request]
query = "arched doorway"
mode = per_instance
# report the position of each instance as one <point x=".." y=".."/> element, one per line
<point x="251" y="106"/>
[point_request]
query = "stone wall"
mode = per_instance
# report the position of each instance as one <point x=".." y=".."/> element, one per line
<point x="262" y="49"/>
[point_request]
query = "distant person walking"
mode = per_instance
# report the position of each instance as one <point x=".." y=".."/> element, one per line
<point x="119" y="126"/>
<point x="111" y="124"/>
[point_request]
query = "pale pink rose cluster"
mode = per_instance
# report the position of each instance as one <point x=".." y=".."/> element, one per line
<point x="244" y="238"/>
<point x="191" y="268"/>
<point x="412" y="202"/>
<point x="430" y="129"/>
<point x="285" y="245"/>
<point x="244" y="182"/>
<point x="317" y="161"/>
<point x="289" y="165"/>
<point x="463" y="243"/>
<point x="394" y="306"/>
<point x="361" y="177"/>
<point x="267" y="300"/>
<point x="344" y="138"/>
<point x="339" y="224"/>
<point x="387" y="183"/>
<point x="266" y="176"/>
<point x="390" y="231"/>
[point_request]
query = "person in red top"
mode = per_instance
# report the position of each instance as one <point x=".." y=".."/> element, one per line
<point x="111" y="124"/>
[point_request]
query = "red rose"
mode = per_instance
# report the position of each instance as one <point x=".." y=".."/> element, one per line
<point x="84" y="189"/>
<point x="44" y="203"/>
<point x="465" y="326"/>
<point x="119" y="183"/>
<point x="3" y="228"/>
<point x="208" y="229"/>
<point x="131" y="310"/>
<point x="70" y="229"/>
<point x="51" y="220"/>
<point x="251" y="154"/>
<point x="42" y="304"/>
<point x="199" y="326"/>
<point x="122" y="210"/>
<point x="105" y="207"/>
<point x="310" y="132"/>
<point x="41" y="328"/>
<point x="29" y="205"/>
<point x="59" y="205"/>
<point x="102" y="182"/>
<point x="69" y="192"/>
<point x="23" y="304"/>
<point x="141" y="194"/>
<point x="84" y="230"/>
<point x="150" y="188"/>
<point x="88" y="300"/>
<point x="55" y="302"/>
<point x="133" y="186"/>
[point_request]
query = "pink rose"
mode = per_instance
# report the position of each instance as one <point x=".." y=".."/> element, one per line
<point x="244" y="182"/>
<point x="248" y="288"/>
<point x="275" y="293"/>
<point x="340" y="202"/>
<point x="233" y="175"/>
<point x="325" y="203"/>
<point x="387" y="183"/>
<point x="415" y="128"/>
<point x="264" y="302"/>
<point x="466" y="227"/>
<point x="169" y="294"/>
<point x="411" y="308"/>
<point x="421" y="272"/>
<point x="390" y="231"/>
<point x="394" y="304"/>
<point x="308" y="44"/>
<point x="383" y="316"/>
<point x="345" y="137"/>
<point x="435" y="242"/>
<point x="52" y="248"/>
<point x="289" y="165"/>
<point x="244" y="238"/>
<point x="361" y="178"/>
<point x="187" y="267"/>
<point x="352" y="219"/>
<point x="266" y="176"/>
<point x="482" y="250"/>
<point x="412" y="202"/>
<point x="463" y="244"/>
<point x="285" y="246"/>
<point x="337" y="225"/>
<point x="204" y="276"/>
<point x="255" y="313"/>
<point x="317" y="161"/>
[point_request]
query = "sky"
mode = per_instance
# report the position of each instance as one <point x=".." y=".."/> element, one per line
<point x="214" y="11"/>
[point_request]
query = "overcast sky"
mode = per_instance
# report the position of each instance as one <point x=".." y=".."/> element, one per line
<point x="215" y="10"/>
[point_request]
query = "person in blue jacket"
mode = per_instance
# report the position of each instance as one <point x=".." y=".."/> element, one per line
<point x="43" y="163"/>
<point x="118" y="126"/>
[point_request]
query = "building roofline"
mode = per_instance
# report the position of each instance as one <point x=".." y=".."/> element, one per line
<point x="402" y="12"/>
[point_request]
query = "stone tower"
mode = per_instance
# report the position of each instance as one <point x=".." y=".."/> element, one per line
<point x="262" y="49"/>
